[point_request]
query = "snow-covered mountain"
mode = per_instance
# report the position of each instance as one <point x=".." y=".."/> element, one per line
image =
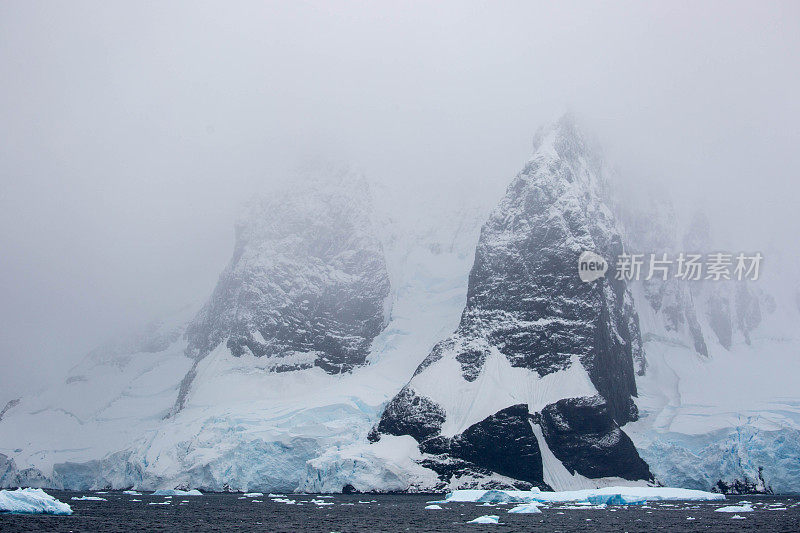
<point x="541" y="365"/>
<point x="357" y="340"/>
<point x="323" y="313"/>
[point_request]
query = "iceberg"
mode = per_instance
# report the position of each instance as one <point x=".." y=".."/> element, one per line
<point x="526" y="508"/>
<point x="177" y="492"/>
<point x="433" y="506"/>
<point x="606" y="495"/>
<point x="500" y="496"/>
<point x="31" y="501"/>
<point x="735" y="509"/>
<point x="486" y="519"/>
<point x="475" y="495"/>
<point x="616" y="499"/>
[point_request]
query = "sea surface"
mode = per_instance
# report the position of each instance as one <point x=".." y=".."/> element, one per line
<point x="391" y="512"/>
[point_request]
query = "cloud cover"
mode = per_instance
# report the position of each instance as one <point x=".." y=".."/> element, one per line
<point x="133" y="131"/>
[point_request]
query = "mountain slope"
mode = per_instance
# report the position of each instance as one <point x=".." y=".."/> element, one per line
<point x="536" y="348"/>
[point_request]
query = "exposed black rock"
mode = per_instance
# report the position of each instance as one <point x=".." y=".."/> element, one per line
<point x="503" y="443"/>
<point x="307" y="284"/>
<point x="744" y="486"/>
<point x="410" y="414"/>
<point x="9" y="405"/>
<point x="583" y="435"/>
<point x="719" y="318"/>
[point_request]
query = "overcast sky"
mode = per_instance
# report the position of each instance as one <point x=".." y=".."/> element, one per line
<point x="131" y="132"/>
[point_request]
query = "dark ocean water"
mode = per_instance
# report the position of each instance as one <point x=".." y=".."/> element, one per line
<point x="362" y="513"/>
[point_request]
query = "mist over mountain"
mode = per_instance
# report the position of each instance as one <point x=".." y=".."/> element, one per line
<point x="298" y="247"/>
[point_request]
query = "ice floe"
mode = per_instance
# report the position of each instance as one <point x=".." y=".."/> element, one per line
<point x="735" y="509"/>
<point x="31" y="501"/>
<point x="527" y="508"/>
<point x="177" y="492"/>
<point x="486" y="519"/>
<point x="602" y="496"/>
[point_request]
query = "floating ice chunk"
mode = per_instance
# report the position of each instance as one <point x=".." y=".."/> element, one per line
<point x="474" y="495"/>
<point x="131" y="493"/>
<point x="31" y="501"/>
<point x="257" y="501"/>
<point x="486" y="519"/>
<point x="500" y="496"/>
<point x="616" y="499"/>
<point x="528" y="508"/>
<point x="177" y="492"/>
<point x="284" y="500"/>
<point x="276" y="495"/>
<point x="159" y="503"/>
<point x="433" y="506"/>
<point x="321" y="502"/>
<point x="581" y="505"/>
<point x="89" y="498"/>
<point x="690" y="518"/>
<point x="253" y="494"/>
<point x="735" y="509"/>
<point x="737" y="517"/>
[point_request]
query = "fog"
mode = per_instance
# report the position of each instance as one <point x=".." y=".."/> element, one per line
<point x="132" y="132"/>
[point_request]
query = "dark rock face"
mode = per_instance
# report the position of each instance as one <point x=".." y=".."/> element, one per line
<point x="744" y="486"/>
<point x="307" y="283"/>
<point x="410" y="414"/>
<point x="9" y="405"/>
<point x="526" y="302"/>
<point x="7" y="469"/>
<point x="719" y="318"/>
<point x="748" y="311"/>
<point x="582" y="434"/>
<point x="525" y="297"/>
<point x="503" y="443"/>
